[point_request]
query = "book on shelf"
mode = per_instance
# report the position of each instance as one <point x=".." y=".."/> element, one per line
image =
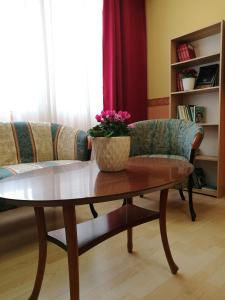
<point x="207" y="76"/>
<point x="179" y="83"/>
<point x="185" y="51"/>
<point x="192" y="113"/>
<point x="183" y="113"/>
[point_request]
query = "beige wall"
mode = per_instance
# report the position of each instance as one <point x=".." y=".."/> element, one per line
<point x="167" y="19"/>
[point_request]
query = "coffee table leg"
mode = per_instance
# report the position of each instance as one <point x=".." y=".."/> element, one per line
<point x="162" y="222"/>
<point x="129" y="231"/>
<point x="72" y="249"/>
<point x="41" y="227"/>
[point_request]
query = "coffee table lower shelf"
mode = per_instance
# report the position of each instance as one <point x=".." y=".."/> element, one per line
<point x="95" y="231"/>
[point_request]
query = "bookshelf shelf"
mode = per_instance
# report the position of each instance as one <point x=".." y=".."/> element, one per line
<point x="209" y="124"/>
<point x="207" y="157"/>
<point x="206" y="191"/>
<point x="197" y="61"/>
<point x="198" y="91"/>
<point x="209" y="45"/>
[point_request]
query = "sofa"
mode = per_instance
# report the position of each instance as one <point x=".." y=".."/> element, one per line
<point x="26" y="146"/>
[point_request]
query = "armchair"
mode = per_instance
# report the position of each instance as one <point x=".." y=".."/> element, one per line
<point x="172" y="138"/>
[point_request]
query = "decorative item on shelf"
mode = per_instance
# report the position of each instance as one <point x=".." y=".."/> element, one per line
<point x="208" y="76"/>
<point x="185" y="51"/>
<point x="199" y="114"/>
<point x="188" y="79"/>
<point x="111" y="140"/>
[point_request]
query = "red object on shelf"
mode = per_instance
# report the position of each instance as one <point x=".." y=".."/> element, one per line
<point x="179" y="82"/>
<point x="185" y="52"/>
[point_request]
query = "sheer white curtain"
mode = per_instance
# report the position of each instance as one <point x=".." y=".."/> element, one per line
<point x="51" y="61"/>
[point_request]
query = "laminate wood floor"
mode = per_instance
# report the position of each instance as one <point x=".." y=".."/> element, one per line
<point x="107" y="271"/>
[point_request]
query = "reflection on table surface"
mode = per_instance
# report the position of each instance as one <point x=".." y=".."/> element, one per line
<point x="83" y="181"/>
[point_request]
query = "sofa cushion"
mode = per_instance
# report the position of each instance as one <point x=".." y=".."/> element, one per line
<point x="25" y="142"/>
<point x="42" y="138"/>
<point x="8" y="150"/>
<point x="167" y="156"/>
<point x="69" y="143"/>
<point x="65" y="143"/>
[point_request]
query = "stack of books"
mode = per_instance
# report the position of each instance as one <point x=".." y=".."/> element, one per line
<point x="185" y="51"/>
<point x="192" y="113"/>
<point x="207" y="76"/>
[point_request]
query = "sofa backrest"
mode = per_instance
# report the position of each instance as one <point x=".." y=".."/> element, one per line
<point x="69" y="143"/>
<point x="166" y="136"/>
<point x="23" y="142"/>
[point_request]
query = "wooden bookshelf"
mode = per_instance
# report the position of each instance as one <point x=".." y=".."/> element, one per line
<point x="209" y="46"/>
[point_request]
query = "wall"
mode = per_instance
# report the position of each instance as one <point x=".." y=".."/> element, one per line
<point x="167" y="19"/>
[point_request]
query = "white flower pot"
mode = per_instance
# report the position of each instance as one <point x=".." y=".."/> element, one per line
<point x="188" y="83"/>
<point x="111" y="153"/>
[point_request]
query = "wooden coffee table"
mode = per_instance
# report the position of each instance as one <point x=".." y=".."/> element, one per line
<point x="82" y="183"/>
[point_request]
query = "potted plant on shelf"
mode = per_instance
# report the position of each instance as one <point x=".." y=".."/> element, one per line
<point x="111" y="140"/>
<point x="188" y="79"/>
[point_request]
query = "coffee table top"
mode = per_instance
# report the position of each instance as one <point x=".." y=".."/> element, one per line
<point x="83" y="183"/>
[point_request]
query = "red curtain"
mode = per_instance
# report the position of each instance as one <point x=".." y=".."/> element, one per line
<point x="125" y="57"/>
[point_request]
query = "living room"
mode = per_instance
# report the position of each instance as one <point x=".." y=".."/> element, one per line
<point x="47" y="46"/>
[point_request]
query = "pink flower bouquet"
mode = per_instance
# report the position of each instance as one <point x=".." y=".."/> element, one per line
<point x="112" y="123"/>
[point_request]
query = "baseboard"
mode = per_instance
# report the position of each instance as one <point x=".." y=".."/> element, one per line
<point x="158" y="101"/>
